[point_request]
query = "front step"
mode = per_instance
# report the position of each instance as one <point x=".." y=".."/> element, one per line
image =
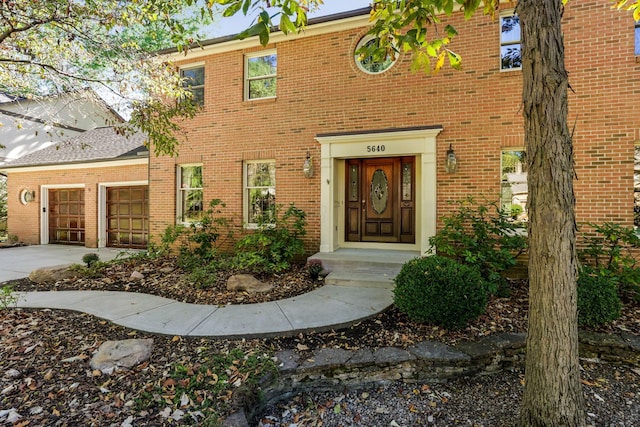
<point x="360" y="279"/>
<point x="372" y="268"/>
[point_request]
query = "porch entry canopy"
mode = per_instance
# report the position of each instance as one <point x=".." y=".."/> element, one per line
<point x="396" y="142"/>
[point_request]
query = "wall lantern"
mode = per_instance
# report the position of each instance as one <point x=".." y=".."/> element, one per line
<point x="450" y="161"/>
<point x="27" y="196"/>
<point x="307" y="167"/>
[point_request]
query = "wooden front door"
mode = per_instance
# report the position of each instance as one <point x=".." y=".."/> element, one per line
<point x="66" y="215"/>
<point x="128" y="217"/>
<point x="380" y="202"/>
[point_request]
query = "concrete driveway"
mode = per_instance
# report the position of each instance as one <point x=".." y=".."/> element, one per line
<point x="18" y="262"/>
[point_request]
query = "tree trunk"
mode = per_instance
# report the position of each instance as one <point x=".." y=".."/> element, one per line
<point x="552" y="394"/>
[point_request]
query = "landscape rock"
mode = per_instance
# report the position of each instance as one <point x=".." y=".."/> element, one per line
<point x="52" y="274"/>
<point x="247" y="283"/>
<point x="136" y="275"/>
<point x="126" y="354"/>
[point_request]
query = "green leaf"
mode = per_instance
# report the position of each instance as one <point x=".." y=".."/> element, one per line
<point x="451" y="31"/>
<point x="231" y="10"/>
<point x="245" y="6"/>
<point x="286" y="25"/>
<point x="337" y="409"/>
<point x="455" y="60"/>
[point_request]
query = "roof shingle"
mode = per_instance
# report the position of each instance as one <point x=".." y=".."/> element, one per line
<point x="98" y="144"/>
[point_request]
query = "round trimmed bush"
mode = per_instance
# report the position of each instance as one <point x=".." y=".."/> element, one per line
<point x="598" y="300"/>
<point x="440" y="291"/>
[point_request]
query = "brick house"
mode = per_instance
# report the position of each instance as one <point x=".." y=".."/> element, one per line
<point x="376" y="134"/>
<point x="91" y="189"/>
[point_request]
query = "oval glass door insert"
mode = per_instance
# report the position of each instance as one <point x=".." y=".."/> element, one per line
<point x="379" y="191"/>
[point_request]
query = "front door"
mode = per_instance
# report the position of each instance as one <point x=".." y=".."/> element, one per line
<point x="380" y="200"/>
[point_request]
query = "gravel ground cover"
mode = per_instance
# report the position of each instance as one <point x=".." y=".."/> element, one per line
<point x="45" y="378"/>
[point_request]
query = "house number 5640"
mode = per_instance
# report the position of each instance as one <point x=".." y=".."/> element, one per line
<point x="375" y="148"/>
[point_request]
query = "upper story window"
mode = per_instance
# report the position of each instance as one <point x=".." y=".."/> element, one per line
<point x="638" y="38"/>
<point x="190" y="195"/>
<point x="260" y="192"/>
<point x="514" y="189"/>
<point x="260" y="74"/>
<point x="378" y="62"/>
<point x="193" y="80"/>
<point x="510" y="42"/>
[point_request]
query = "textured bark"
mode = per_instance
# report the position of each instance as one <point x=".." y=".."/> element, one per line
<point x="553" y="394"/>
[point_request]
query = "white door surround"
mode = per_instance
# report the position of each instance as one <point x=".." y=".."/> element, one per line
<point x="418" y="142"/>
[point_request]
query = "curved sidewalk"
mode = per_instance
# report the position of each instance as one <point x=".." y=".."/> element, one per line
<point x="324" y="308"/>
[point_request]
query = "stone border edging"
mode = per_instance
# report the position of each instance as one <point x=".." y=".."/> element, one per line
<point x="427" y="361"/>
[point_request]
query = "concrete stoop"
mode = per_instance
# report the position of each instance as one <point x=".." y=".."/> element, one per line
<point x="372" y="268"/>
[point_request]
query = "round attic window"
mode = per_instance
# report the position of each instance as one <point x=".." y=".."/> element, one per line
<point x="370" y="64"/>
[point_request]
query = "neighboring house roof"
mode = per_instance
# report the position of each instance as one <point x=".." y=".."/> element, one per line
<point x="100" y="144"/>
<point x="32" y="124"/>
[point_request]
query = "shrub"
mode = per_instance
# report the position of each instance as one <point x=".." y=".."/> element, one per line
<point x="481" y="236"/>
<point x="274" y="244"/>
<point x="314" y="268"/>
<point x="7" y="297"/>
<point x="608" y="252"/>
<point x="90" y="258"/>
<point x="199" y="244"/>
<point x="201" y="239"/>
<point x="441" y="291"/>
<point x="598" y="300"/>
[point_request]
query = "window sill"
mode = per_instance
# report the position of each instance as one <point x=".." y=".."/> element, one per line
<point x="262" y="100"/>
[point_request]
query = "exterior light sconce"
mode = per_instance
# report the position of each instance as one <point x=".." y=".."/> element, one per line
<point x="307" y="167"/>
<point x="27" y="196"/>
<point x="450" y="161"/>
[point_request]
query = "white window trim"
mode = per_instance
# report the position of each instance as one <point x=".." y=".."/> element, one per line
<point x="245" y="193"/>
<point x="506" y="13"/>
<point x="258" y="54"/>
<point x="179" y="191"/>
<point x="193" y="67"/>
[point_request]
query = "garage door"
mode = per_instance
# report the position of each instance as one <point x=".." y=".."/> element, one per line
<point x="128" y="217"/>
<point x="66" y="216"/>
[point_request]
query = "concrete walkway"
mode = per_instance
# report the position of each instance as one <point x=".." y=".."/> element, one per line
<point x="18" y="262"/>
<point x="324" y="308"/>
<point x="331" y="306"/>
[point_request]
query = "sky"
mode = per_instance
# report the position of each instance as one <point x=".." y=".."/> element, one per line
<point x="239" y="22"/>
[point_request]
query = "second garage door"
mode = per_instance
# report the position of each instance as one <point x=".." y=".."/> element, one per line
<point x="128" y="216"/>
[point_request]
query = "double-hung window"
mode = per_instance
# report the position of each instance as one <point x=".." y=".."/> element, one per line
<point x="510" y="42"/>
<point x="514" y="189"/>
<point x="193" y="81"/>
<point x="190" y="195"/>
<point x="260" y="75"/>
<point x="259" y="192"/>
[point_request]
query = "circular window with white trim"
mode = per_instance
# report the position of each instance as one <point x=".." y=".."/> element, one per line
<point x="372" y="64"/>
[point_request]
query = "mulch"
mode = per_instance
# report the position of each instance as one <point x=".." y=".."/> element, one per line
<point x="44" y="374"/>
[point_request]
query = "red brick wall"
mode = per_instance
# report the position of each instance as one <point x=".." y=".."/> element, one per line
<point x="24" y="220"/>
<point x="320" y="90"/>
